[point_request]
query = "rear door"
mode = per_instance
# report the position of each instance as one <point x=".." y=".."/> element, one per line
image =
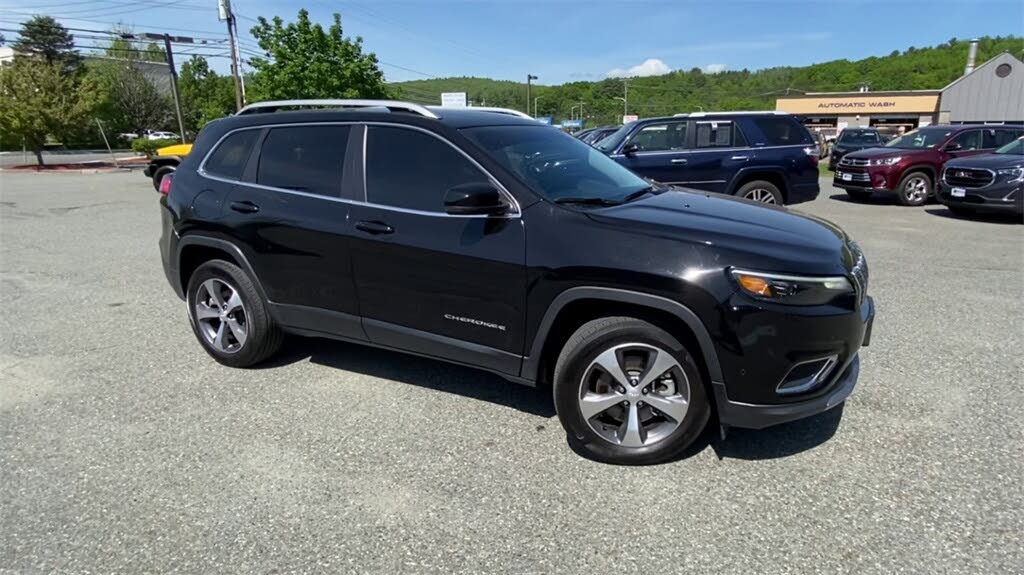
<point x="289" y="216"/>
<point x="718" y="152"/>
<point x="662" y="152"/>
<point x="995" y="138"/>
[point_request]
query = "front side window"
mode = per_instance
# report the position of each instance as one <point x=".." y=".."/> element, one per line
<point x="968" y="140"/>
<point x="228" y="160"/>
<point x="782" y="131"/>
<point x="660" y="137"/>
<point x="555" y="165"/>
<point x="412" y="170"/>
<point x="304" y="159"/>
<point x="714" y="134"/>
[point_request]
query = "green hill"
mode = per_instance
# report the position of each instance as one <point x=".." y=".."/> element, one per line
<point x="693" y="90"/>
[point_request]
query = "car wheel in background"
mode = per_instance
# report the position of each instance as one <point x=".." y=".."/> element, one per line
<point x="858" y="195"/>
<point x="914" y="189"/>
<point x="760" y="191"/>
<point x="228" y="316"/>
<point x="159" y="175"/>
<point x="627" y="392"/>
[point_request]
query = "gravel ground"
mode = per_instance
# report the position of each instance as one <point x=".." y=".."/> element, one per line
<point x="126" y="449"/>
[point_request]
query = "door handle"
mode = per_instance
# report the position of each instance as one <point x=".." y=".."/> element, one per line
<point x="244" y="207"/>
<point x="740" y="158"/>
<point x="678" y="160"/>
<point x="375" y="228"/>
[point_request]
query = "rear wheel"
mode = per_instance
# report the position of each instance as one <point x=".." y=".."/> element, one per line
<point x="627" y="392"/>
<point x="159" y="174"/>
<point x="858" y="195"/>
<point x="760" y="191"/>
<point x="914" y="189"/>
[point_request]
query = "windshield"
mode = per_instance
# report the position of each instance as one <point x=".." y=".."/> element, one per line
<point x="1014" y="147"/>
<point x="858" y="137"/>
<point x="556" y="165"/>
<point x="920" y="139"/>
<point x="609" y="143"/>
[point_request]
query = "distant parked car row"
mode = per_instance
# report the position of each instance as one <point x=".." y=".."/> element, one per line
<point x="149" y="135"/>
<point x="595" y="135"/>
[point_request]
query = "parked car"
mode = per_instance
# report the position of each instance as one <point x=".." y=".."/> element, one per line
<point x="597" y="134"/>
<point x="909" y="166"/>
<point x="767" y="157"/>
<point x="403" y="227"/>
<point x="823" y="146"/>
<point x="985" y="183"/>
<point x="167" y="160"/>
<point x="163" y="136"/>
<point x="854" y="140"/>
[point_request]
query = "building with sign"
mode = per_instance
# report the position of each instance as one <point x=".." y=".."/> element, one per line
<point x="990" y="93"/>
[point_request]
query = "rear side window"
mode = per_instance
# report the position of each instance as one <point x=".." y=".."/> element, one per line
<point x="782" y="131"/>
<point x="714" y="134"/>
<point x="228" y="160"/>
<point x="304" y="158"/>
<point x="661" y="137"/>
<point x="412" y="170"/>
<point x="999" y="137"/>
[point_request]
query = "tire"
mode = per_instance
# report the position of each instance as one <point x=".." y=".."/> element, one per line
<point x="858" y="196"/>
<point x="606" y="435"/>
<point x="914" y="189"/>
<point x="159" y="175"/>
<point x="760" y="191"/>
<point x="248" y="335"/>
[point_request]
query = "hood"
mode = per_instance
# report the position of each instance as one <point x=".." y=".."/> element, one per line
<point x="885" y="152"/>
<point x="853" y="147"/>
<point x="990" y="161"/>
<point x="769" y="238"/>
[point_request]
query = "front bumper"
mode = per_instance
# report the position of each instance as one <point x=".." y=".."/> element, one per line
<point x="736" y="413"/>
<point x="993" y="198"/>
<point x="867" y="178"/>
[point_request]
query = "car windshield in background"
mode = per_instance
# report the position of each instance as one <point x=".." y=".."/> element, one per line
<point x="609" y="143"/>
<point x="556" y="165"/>
<point x="920" y="139"/>
<point x="1014" y="147"/>
<point x="857" y="137"/>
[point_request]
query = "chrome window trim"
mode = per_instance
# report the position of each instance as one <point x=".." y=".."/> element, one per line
<point x="994" y="177"/>
<point x="515" y="214"/>
<point x="619" y="154"/>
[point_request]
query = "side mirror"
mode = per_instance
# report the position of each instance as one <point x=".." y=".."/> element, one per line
<point x="630" y="150"/>
<point x="474" y="199"/>
<point x="952" y="147"/>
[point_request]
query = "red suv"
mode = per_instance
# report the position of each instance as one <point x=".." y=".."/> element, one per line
<point x="909" y="166"/>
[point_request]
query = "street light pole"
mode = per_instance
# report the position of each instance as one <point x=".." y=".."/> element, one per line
<point x="529" y="78"/>
<point x="535" y="105"/>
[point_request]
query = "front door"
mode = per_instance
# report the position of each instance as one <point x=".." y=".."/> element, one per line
<point x="429" y="282"/>
<point x="718" y="153"/>
<point x="659" y="152"/>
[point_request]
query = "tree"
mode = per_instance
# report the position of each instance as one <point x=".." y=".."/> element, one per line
<point x="306" y="61"/>
<point x="45" y="37"/>
<point x="205" y="95"/>
<point x="131" y="100"/>
<point x="41" y="99"/>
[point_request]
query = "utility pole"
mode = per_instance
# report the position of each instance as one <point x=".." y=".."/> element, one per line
<point x="535" y="105"/>
<point x="225" y="14"/>
<point x="529" y="78"/>
<point x="167" y="38"/>
<point x="625" y="98"/>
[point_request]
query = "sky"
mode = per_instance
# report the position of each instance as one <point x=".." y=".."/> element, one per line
<point x="565" y="41"/>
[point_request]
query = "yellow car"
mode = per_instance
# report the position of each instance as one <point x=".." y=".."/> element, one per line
<point x="165" y="162"/>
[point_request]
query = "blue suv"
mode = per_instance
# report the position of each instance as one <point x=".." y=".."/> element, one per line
<point x="768" y="157"/>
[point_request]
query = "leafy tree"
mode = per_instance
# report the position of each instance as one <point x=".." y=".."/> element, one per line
<point x="41" y="99"/>
<point x="131" y="99"/>
<point x="43" y="36"/>
<point x="305" y="61"/>
<point x="205" y="95"/>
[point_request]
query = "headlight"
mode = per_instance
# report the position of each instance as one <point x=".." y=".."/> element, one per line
<point x="886" y="161"/>
<point x="793" y="290"/>
<point x="1012" y="175"/>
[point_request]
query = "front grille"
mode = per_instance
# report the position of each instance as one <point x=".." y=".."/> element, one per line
<point x="968" y="177"/>
<point x="859" y="271"/>
<point x="848" y="161"/>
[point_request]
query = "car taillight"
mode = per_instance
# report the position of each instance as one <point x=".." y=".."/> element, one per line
<point x="813" y="153"/>
<point x="165" y="184"/>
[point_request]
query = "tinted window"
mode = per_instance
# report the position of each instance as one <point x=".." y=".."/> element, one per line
<point x="228" y="160"/>
<point x="410" y="169"/>
<point x="997" y="138"/>
<point x="305" y="159"/>
<point x="714" y="134"/>
<point x="968" y="140"/>
<point x="782" y="131"/>
<point x="661" y="137"/>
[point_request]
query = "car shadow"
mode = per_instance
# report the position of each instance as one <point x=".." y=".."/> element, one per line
<point x="419" y="371"/>
<point x="872" y="200"/>
<point x="983" y="217"/>
<point x="780" y="440"/>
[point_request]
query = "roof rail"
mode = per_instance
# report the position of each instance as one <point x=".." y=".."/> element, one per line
<point x="391" y="105"/>
<point x="756" y="112"/>
<point x="507" y="111"/>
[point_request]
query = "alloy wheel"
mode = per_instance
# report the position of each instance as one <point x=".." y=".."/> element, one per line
<point x="220" y="315"/>
<point x="634" y="395"/>
<point x="916" y="189"/>
<point x="760" y="195"/>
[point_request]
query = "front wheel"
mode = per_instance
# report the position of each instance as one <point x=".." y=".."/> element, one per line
<point x="760" y="191"/>
<point x="914" y="189"/>
<point x="627" y="392"/>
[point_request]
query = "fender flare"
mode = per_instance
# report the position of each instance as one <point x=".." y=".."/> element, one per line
<point x="734" y="183"/>
<point x="221" y="244"/>
<point x="531" y="363"/>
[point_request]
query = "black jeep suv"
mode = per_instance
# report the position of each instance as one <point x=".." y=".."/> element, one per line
<point x="497" y="242"/>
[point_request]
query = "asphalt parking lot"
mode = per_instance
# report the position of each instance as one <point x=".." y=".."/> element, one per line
<point x="125" y="448"/>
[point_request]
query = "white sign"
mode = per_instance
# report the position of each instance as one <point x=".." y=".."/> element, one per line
<point x="453" y="99"/>
<point x="629" y="118"/>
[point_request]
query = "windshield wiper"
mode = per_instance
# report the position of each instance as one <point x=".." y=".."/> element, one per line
<point x="591" y="201"/>
<point x="640" y="193"/>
